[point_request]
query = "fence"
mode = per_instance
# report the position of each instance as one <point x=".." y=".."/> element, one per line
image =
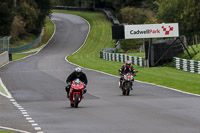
<point x="27" y="46"/>
<point x="4" y="44"/>
<point x="187" y="65"/>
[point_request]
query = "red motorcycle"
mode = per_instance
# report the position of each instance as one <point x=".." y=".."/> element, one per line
<point x="76" y="92"/>
<point x="127" y="83"/>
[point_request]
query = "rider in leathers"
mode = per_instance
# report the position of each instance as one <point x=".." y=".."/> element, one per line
<point x="74" y="75"/>
<point x="126" y="68"/>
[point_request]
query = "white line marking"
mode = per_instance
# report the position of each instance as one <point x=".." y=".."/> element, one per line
<point x="23" y="110"/>
<point x="12" y="100"/>
<point x="37" y="128"/>
<point x="15" y="103"/>
<point x="40" y="132"/>
<point x="31" y="121"/>
<point x="24" y="113"/>
<point x="8" y="95"/>
<point x="28" y="118"/>
<point x="12" y="129"/>
<point x="34" y="124"/>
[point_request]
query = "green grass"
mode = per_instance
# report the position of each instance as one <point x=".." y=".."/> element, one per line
<point x="136" y="54"/>
<point x="18" y="56"/>
<point x="100" y="37"/>
<point x="2" y="90"/>
<point x="194" y="57"/>
<point x="48" y="32"/>
<point x="5" y="132"/>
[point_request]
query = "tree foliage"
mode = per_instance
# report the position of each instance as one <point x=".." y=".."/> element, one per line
<point x="6" y="15"/>
<point x="131" y="44"/>
<point x="184" y="12"/>
<point x="23" y="17"/>
<point x="132" y="15"/>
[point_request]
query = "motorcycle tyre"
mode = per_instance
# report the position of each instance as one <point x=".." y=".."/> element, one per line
<point x="127" y="92"/>
<point x="76" y="100"/>
<point x="72" y="105"/>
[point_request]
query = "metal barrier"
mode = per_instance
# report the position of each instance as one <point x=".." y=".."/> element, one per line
<point x="187" y="65"/>
<point x="108" y="13"/>
<point x="109" y="54"/>
<point x="27" y="46"/>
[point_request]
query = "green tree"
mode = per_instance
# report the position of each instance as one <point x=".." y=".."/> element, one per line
<point x="184" y="12"/>
<point x="130" y="45"/>
<point x="44" y="7"/>
<point x="6" y="15"/>
<point x="132" y="15"/>
<point x="28" y="12"/>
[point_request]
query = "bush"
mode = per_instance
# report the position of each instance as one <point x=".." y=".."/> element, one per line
<point x="132" y="15"/>
<point x="131" y="44"/>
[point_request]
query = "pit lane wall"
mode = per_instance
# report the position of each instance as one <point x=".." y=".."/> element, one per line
<point x="4" y="58"/>
<point x="187" y="65"/>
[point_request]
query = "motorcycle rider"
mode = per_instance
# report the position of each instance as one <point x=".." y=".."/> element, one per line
<point x="126" y="68"/>
<point x="74" y="75"/>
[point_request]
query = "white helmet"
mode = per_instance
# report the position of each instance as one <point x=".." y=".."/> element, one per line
<point x="78" y="69"/>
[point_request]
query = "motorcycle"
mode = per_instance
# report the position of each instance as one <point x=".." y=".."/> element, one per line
<point x="76" y="92"/>
<point x="127" y="83"/>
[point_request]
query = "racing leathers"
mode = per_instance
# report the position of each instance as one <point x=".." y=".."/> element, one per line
<point x="74" y="75"/>
<point x="124" y="70"/>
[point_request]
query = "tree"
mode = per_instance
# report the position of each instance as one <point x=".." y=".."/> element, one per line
<point x="44" y="7"/>
<point x="6" y="15"/>
<point x="132" y="15"/>
<point x="184" y="12"/>
<point x="26" y="12"/>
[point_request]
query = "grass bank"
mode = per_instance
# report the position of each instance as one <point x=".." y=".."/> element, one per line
<point x="48" y="32"/>
<point x="100" y="37"/>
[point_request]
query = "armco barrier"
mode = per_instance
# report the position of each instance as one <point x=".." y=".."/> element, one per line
<point x="109" y="54"/>
<point x="26" y="46"/>
<point x="139" y="61"/>
<point x="108" y="13"/>
<point x="187" y="65"/>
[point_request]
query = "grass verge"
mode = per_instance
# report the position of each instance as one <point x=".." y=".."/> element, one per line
<point x="2" y="90"/>
<point x="48" y="32"/>
<point x="136" y="54"/>
<point x="100" y="37"/>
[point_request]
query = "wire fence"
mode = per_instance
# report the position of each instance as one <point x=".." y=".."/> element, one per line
<point x="4" y="43"/>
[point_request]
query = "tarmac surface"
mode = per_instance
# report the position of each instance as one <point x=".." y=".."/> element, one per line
<point x="37" y="83"/>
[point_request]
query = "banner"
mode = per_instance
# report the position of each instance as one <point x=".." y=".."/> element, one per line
<point x="151" y="31"/>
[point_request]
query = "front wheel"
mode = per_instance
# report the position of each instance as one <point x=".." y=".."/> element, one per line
<point x="76" y="101"/>
<point x="72" y="105"/>
<point x="128" y="88"/>
<point x="127" y="92"/>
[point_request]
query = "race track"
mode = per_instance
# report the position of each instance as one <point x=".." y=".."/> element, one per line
<point x="37" y="83"/>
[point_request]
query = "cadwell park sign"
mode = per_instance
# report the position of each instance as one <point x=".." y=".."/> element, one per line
<point x="145" y="31"/>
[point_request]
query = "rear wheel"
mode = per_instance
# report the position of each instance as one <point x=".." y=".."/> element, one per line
<point x="76" y="100"/>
